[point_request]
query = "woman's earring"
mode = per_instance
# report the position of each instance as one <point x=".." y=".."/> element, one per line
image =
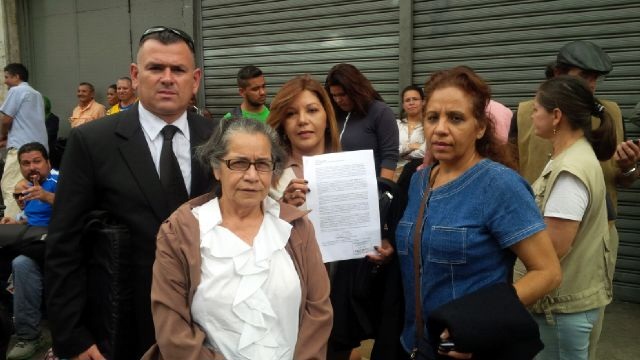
<point x="555" y="131"/>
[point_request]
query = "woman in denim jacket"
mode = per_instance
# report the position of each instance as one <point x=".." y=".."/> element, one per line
<point x="480" y="214"/>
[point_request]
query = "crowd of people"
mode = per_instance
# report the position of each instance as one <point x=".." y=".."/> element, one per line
<point x="210" y="252"/>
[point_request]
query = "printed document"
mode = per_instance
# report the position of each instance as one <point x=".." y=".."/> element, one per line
<point x="343" y="200"/>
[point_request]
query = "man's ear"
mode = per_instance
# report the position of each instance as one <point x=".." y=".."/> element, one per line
<point x="133" y="72"/>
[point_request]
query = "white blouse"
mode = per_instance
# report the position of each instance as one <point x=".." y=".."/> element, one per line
<point x="248" y="299"/>
<point x="417" y="137"/>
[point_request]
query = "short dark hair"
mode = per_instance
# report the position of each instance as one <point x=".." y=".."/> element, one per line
<point x="167" y="35"/>
<point x="113" y="86"/>
<point x="18" y="69"/>
<point x="415" y="88"/>
<point x="247" y="73"/>
<point x="89" y="85"/>
<point x="355" y="85"/>
<point x="33" y="146"/>
<point x="124" y="78"/>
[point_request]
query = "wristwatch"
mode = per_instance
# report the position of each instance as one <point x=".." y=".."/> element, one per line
<point x="629" y="172"/>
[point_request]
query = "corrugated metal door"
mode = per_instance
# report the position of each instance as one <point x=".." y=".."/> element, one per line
<point x="292" y="37"/>
<point x="510" y="42"/>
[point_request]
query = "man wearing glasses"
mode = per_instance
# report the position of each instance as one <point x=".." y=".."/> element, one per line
<point x="138" y="166"/>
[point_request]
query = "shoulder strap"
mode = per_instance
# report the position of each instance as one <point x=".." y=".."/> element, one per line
<point x="417" y="257"/>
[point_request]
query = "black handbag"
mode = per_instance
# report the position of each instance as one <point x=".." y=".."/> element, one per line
<point x="109" y="294"/>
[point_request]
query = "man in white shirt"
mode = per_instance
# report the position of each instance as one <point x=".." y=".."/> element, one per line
<point x="138" y="166"/>
<point x="22" y="117"/>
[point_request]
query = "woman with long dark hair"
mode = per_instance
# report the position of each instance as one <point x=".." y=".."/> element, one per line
<point x="365" y="121"/>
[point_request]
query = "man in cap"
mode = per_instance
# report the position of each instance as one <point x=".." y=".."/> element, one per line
<point x="588" y="61"/>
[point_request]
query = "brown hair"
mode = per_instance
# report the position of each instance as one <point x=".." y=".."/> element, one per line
<point x="465" y="79"/>
<point x="573" y="97"/>
<point x="355" y="85"/>
<point x="284" y="97"/>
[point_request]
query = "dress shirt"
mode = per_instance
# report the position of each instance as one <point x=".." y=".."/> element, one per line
<point x="152" y="125"/>
<point x="248" y="297"/>
<point x="82" y="115"/>
<point x="26" y="107"/>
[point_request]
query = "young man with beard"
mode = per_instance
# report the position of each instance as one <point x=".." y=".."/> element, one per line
<point x="252" y="88"/>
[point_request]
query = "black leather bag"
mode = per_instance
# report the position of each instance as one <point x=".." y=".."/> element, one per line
<point x="109" y="294"/>
<point x="491" y="323"/>
<point x="16" y="235"/>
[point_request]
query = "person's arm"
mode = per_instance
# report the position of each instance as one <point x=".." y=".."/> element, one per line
<point x="37" y="192"/>
<point x="317" y="317"/>
<point x="177" y="336"/>
<point x="626" y="157"/>
<point x="65" y="272"/>
<point x="542" y="264"/>
<point x="562" y="233"/>
<point x="6" y="121"/>
<point x="388" y="142"/>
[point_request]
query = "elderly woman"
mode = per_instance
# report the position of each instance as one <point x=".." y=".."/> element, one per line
<point x="480" y="215"/>
<point x="231" y="270"/>
<point x="571" y="195"/>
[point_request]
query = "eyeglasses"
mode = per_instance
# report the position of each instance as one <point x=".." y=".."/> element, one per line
<point x="244" y="164"/>
<point x="179" y="33"/>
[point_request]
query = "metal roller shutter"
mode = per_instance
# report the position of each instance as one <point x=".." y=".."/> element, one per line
<point x="509" y="43"/>
<point x="292" y="37"/>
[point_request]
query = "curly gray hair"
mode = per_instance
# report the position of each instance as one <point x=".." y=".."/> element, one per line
<point x="217" y="146"/>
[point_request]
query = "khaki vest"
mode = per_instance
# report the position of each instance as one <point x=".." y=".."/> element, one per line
<point x="534" y="151"/>
<point x="585" y="268"/>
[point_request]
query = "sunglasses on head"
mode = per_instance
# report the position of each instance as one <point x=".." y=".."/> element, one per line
<point x="179" y="33"/>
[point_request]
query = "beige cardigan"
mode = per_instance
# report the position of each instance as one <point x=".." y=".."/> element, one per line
<point x="176" y="275"/>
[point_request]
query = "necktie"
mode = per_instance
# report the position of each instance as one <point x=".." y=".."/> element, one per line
<point x="170" y="174"/>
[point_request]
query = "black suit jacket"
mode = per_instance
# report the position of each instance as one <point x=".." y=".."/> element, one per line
<point x="107" y="165"/>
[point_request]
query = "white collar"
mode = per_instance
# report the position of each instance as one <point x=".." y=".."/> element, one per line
<point x="152" y="124"/>
<point x="209" y="216"/>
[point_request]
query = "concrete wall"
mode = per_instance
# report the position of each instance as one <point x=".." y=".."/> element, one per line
<point x="71" y="41"/>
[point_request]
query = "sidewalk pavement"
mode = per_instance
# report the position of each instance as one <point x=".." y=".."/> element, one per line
<point x="620" y="339"/>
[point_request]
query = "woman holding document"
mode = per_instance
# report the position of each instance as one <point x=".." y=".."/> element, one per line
<point x="302" y="115"/>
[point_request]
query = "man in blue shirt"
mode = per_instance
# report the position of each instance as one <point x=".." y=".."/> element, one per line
<point x="37" y="192"/>
<point x="22" y="120"/>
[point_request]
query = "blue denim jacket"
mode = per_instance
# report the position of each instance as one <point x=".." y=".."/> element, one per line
<point x="468" y="228"/>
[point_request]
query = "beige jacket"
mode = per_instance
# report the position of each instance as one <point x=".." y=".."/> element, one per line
<point x="176" y="276"/>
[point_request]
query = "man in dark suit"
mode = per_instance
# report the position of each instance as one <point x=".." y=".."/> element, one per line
<point x="119" y="164"/>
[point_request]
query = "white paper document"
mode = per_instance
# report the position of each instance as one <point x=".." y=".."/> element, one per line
<point x="344" y="203"/>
